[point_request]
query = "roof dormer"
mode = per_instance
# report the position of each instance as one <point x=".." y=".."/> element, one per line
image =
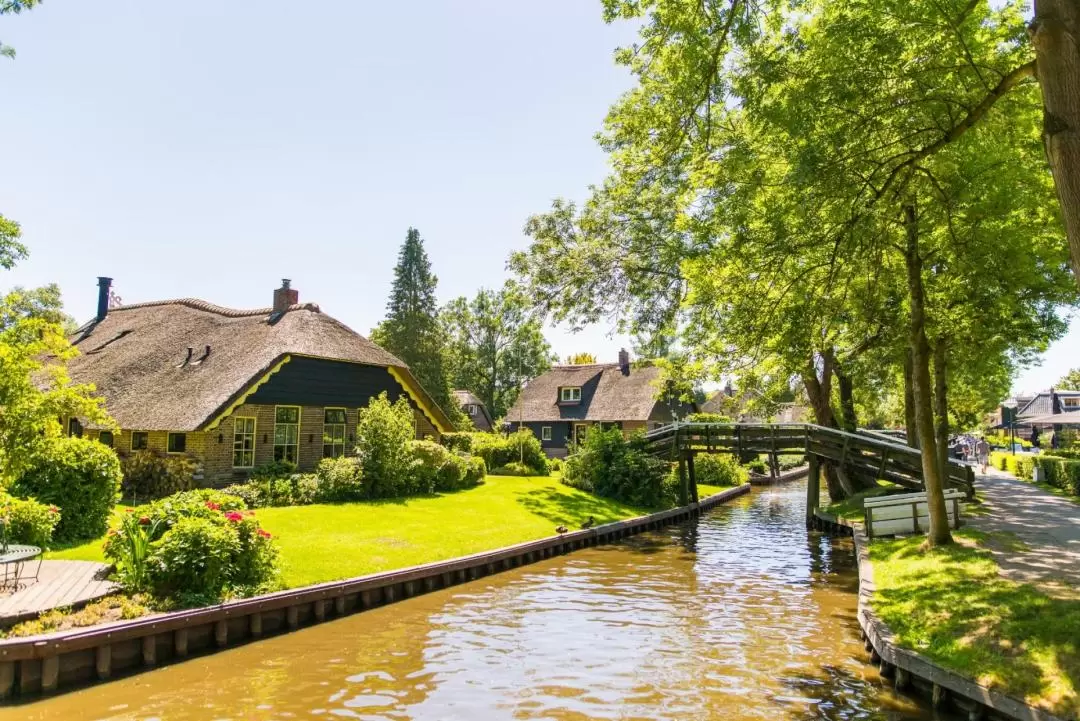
<point x="570" y="394"/>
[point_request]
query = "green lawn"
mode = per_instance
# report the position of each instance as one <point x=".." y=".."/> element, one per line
<point x="852" y="508"/>
<point x="952" y="605"/>
<point x="330" y="542"/>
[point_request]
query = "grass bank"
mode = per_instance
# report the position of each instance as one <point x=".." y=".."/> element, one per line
<point x="852" y="508"/>
<point x="330" y="542"/>
<point x="953" y="606"/>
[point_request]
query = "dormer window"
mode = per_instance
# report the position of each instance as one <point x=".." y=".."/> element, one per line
<point x="570" y="394"/>
<point x="470" y="409"/>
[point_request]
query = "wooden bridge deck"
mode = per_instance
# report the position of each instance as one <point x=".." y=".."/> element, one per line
<point x="59" y="584"/>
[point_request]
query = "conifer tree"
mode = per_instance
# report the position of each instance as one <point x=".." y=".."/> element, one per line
<point x="411" y="330"/>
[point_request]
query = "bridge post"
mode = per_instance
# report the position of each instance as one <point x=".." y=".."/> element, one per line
<point x="813" y="487"/>
<point x="693" y="478"/>
<point x="684" y="496"/>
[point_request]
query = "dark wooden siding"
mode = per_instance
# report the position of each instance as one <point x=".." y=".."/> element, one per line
<point x="560" y="432"/>
<point x="318" y="382"/>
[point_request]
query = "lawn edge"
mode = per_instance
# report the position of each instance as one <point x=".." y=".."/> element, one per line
<point x="34" y="665"/>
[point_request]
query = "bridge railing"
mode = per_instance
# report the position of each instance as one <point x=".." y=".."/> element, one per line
<point x="860" y="452"/>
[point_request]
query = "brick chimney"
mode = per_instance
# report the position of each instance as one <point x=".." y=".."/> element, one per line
<point x="104" y="285"/>
<point x="285" y="296"/>
<point x="624" y="362"/>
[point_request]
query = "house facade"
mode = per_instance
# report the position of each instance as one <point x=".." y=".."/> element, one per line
<point x="561" y="405"/>
<point x="475" y="409"/>
<point x="236" y="389"/>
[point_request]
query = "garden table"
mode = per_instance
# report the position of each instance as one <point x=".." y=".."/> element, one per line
<point x="13" y="558"/>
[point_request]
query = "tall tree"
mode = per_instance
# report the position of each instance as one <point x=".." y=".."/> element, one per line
<point x="411" y="330"/>
<point x="1070" y="381"/>
<point x="580" y="359"/>
<point x="495" y="345"/>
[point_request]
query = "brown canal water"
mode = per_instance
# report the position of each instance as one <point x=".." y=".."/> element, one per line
<point x="741" y="614"/>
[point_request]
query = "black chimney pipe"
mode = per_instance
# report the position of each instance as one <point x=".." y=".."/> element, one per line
<point x="104" y="285"/>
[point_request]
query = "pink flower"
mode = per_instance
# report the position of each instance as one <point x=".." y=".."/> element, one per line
<point x="265" y="534"/>
<point x="53" y="509"/>
<point x="234" y="516"/>
<point x="213" y="506"/>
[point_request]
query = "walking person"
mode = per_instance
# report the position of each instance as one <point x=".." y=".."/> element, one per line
<point x="982" y="454"/>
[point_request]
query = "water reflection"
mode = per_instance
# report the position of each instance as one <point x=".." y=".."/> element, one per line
<point x="741" y="615"/>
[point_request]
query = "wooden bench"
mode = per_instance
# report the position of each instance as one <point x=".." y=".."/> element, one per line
<point x="907" y="513"/>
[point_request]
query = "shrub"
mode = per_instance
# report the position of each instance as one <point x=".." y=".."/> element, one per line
<point x="273" y="470"/>
<point x="707" y="418"/>
<point x="339" y="479"/>
<point x="383" y="433"/>
<point x="436" y="468"/>
<point x="149" y="475"/>
<point x="555" y="465"/>
<point x="520" y="446"/>
<point x="298" y="489"/>
<point x="610" y="465"/>
<point x="719" y="469"/>
<point x="758" y="466"/>
<point x="26" y="521"/>
<point x="476" y="470"/>
<point x="80" y="476"/>
<point x="789" y="461"/>
<point x="514" y="469"/>
<point x="197" y="545"/>
<point x="458" y="441"/>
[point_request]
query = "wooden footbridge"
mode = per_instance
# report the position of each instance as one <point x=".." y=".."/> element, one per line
<point x="861" y="454"/>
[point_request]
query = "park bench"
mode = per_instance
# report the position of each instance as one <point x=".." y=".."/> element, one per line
<point x="907" y="513"/>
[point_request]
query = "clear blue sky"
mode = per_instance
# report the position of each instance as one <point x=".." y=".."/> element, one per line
<point x="210" y="149"/>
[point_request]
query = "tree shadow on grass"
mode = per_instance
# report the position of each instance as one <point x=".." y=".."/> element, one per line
<point x="965" y="617"/>
<point x="568" y="509"/>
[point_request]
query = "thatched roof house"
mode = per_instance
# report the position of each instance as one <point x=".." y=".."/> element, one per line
<point x="475" y="409"/>
<point x="187" y="368"/>
<point x="559" y="406"/>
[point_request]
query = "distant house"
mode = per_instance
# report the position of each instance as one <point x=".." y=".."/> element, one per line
<point x="561" y="405"/>
<point x="475" y="409"/>
<point x="1046" y="403"/>
<point x="724" y="401"/>
<point x="236" y="389"/>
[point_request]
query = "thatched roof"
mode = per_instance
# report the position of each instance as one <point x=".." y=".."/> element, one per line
<point x="467" y="398"/>
<point x="136" y="355"/>
<point x="607" y="395"/>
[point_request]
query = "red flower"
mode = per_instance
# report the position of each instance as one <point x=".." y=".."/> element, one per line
<point x="234" y="516"/>
<point x="112" y="532"/>
<point x="264" y="534"/>
<point x="131" y="510"/>
<point x="53" y="509"/>
<point x="144" y="521"/>
<point x="213" y="506"/>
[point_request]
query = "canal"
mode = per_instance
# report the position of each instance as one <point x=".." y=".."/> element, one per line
<point x="741" y="614"/>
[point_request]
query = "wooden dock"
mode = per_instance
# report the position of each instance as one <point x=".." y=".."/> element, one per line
<point x="60" y="584"/>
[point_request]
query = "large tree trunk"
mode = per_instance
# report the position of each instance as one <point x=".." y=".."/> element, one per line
<point x="819" y="393"/>
<point x="848" y="419"/>
<point x="938" y="533"/>
<point x="1055" y="33"/>
<point x="941" y="408"/>
<point x="909" y="402"/>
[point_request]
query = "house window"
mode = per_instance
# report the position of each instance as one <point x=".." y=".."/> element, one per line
<point x="470" y="409"/>
<point x="106" y="437"/>
<point x="177" y="443"/>
<point x="75" y="428"/>
<point x="580" y="431"/>
<point x="140" y="440"/>
<point x="569" y="395"/>
<point x="545" y="433"/>
<point x="333" y="435"/>
<point x="243" y="454"/>
<point x="287" y="433"/>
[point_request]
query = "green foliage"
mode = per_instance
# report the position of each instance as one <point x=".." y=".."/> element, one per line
<point x="299" y="489"/>
<point x="514" y="468"/>
<point x="580" y="359"/>
<point x="384" y="431"/>
<point x="12" y="7"/>
<point x="411" y="330"/>
<point x="708" y="418"/>
<point x="148" y="475"/>
<point x="193" y="545"/>
<point x="495" y="345"/>
<point x="439" y="469"/>
<point x="340" y="479"/>
<point x="789" y="461"/>
<point x="1070" y="381"/>
<point x="718" y="469"/>
<point x="458" y="441"/>
<point x="27" y="521"/>
<point x="80" y="476"/>
<point x="610" y="465"/>
<point x="758" y="466"/>
<point x="275" y="470"/>
<point x="521" y="446"/>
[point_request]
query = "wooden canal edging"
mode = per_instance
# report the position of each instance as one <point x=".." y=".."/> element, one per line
<point x="909" y="669"/>
<point x="43" y="664"/>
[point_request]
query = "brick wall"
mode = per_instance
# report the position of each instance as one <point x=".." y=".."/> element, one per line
<point x="216" y="456"/>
